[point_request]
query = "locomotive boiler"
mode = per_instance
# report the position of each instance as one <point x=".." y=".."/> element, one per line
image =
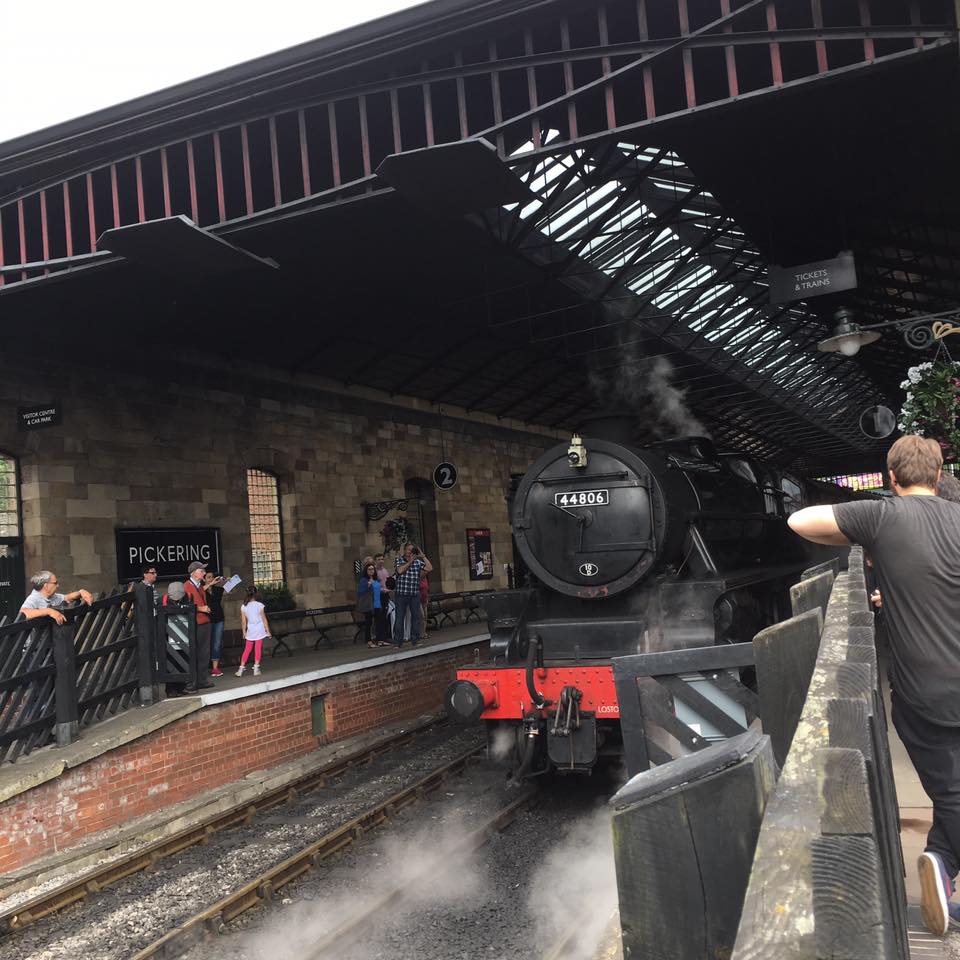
<point x="622" y="550"/>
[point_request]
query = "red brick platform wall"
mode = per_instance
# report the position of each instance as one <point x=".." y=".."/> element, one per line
<point x="212" y="747"/>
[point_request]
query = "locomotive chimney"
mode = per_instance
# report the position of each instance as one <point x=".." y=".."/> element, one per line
<point x="615" y="427"/>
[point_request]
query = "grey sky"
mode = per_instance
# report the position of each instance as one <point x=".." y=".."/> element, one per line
<point x="62" y="59"/>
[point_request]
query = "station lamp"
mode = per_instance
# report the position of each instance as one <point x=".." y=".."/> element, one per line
<point x="847" y="337"/>
<point x="918" y="332"/>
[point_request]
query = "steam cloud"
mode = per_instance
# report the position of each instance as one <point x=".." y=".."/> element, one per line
<point x="423" y="864"/>
<point x="501" y="743"/>
<point x="577" y="882"/>
<point x="644" y="386"/>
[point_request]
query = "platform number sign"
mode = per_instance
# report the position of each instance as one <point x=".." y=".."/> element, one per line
<point x="445" y="476"/>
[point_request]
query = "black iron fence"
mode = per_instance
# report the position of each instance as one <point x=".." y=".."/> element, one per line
<point x="57" y="678"/>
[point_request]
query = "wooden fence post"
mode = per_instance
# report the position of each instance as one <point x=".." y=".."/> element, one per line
<point x="145" y="612"/>
<point x="684" y="835"/>
<point x="812" y="593"/>
<point x="786" y="654"/>
<point x="67" y="725"/>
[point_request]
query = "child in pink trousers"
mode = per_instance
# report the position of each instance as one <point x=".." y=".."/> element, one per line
<point x="256" y="628"/>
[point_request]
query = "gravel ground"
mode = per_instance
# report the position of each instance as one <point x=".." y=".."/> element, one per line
<point x="127" y="916"/>
<point x="512" y="897"/>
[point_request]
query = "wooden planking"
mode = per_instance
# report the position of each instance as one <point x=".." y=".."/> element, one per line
<point x="786" y="654"/>
<point x="809" y="594"/>
<point x="847" y="906"/>
<point x="831" y="566"/>
<point x="665" y="827"/>
<point x="844" y="792"/>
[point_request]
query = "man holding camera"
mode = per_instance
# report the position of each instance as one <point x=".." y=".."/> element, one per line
<point x="406" y="595"/>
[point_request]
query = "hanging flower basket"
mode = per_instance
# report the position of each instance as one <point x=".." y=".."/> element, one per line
<point x="931" y="408"/>
<point x="395" y="534"/>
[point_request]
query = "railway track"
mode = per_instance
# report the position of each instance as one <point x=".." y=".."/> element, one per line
<point x="100" y="878"/>
<point x="264" y="887"/>
<point x="338" y="942"/>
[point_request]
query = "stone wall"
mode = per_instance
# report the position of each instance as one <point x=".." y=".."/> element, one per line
<point x="169" y="443"/>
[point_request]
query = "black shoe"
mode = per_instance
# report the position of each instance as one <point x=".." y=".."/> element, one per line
<point x="206" y="686"/>
<point x="189" y="689"/>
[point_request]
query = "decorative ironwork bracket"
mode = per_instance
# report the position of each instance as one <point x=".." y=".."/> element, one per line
<point x="921" y="333"/>
<point x="378" y="509"/>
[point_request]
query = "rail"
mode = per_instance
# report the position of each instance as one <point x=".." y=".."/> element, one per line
<point x="146" y="858"/>
<point x="263" y="888"/>
<point x="345" y="936"/>
<point x="322" y="620"/>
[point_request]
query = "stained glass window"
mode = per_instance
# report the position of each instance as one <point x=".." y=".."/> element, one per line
<point x="857" y="481"/>
<point x="266" y="534"/>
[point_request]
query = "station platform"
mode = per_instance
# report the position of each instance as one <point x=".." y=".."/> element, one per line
<point x="137" y="776"/>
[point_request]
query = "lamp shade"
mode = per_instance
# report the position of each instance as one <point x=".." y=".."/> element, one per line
<point x="847" y="338"/>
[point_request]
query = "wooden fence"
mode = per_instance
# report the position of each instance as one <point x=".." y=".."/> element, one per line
<point x="824" y="878"/>
<point x="828" y="878"/>
<point x="56" y="679"/>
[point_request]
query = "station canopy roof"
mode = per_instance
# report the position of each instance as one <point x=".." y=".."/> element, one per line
<point x="539" y="271"/>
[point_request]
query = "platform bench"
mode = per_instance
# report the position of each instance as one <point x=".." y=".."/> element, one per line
<point x="321" y="620"/>
<point x="442" y="606"/>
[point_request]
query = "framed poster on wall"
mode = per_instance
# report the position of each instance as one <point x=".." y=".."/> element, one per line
<point x="479" y="553"/>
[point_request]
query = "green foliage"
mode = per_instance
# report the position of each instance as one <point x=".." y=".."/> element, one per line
<point x="396" y="533"/>
<point x="276" y="597"/>
<point x="931" y="408"/>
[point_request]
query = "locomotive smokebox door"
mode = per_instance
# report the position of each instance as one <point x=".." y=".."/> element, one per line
<point x="593" y="528"/>
<point x="576" y="750"/>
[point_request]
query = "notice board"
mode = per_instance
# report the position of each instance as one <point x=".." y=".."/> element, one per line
<point x="479" y="553"/>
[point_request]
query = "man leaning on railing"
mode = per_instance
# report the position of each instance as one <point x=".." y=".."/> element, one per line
<point x="44" y="600"/>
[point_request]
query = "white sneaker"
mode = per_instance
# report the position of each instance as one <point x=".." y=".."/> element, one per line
<point x="240" y="671"/>
<point x="256" y="669"/>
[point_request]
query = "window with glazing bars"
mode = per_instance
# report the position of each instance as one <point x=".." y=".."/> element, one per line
<point x="266" y="534"/>
<point x="9" y="515"/>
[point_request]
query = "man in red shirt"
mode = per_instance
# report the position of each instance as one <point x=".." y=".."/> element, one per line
<point x="193" y="588"/>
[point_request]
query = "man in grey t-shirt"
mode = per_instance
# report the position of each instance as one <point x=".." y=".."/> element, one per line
<point x="44" y="600"/>
<point x="913" y="540"/>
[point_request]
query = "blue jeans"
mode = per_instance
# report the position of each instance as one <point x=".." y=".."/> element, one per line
<point x="403" y="603"/>
<point x="216" y="640"/>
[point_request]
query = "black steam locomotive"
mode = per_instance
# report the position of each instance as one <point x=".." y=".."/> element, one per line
<point x="622" y="550"/>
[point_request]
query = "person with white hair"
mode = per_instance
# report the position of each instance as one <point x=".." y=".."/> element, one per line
<point x="44" y="601"/>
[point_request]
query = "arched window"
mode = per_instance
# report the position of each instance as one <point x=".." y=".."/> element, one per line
<point x="266" y="531"/>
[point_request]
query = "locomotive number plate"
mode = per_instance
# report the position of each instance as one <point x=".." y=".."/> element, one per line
<point x="582" y="498"/>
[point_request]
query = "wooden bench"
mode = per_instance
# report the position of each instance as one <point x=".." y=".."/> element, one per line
<point x="317" y="623"/>
<point x="442" y="606"/>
